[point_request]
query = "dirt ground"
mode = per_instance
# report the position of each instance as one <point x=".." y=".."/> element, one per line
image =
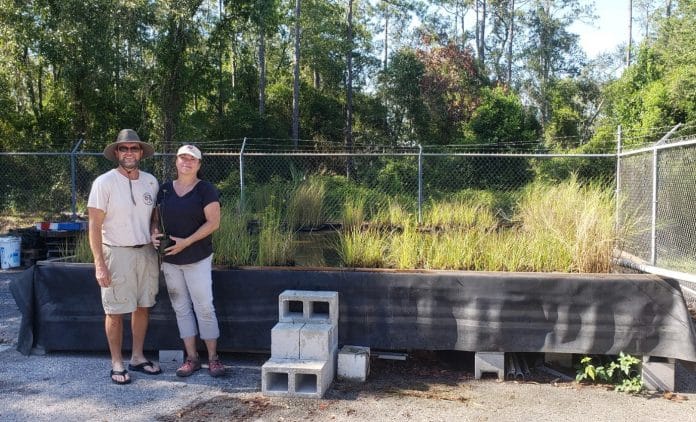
<point x="439" y="386"/>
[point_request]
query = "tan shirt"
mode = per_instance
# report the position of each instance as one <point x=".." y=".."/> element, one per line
<point x="125" y="223"/>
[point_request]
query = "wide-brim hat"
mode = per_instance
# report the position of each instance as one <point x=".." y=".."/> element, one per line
<point x="128" y="136"/>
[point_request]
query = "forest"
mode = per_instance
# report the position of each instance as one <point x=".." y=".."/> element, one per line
<point x="493" y="75"/>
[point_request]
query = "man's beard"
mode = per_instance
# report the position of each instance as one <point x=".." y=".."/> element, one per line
<point x="129" y="166"/>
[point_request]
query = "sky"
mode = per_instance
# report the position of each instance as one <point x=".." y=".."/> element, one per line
<point x="610" y="29"/>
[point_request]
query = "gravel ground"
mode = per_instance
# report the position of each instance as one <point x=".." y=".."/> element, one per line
<point x="425" y="387"/>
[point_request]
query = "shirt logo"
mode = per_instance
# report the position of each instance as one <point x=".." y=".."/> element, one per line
<point x="147" y="198"/>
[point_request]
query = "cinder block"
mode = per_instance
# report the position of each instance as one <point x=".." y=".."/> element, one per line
<point x="168" y="356"/>
<point x="658" y="373"/>
<point x="489" y="362"/>
<point x="318" y="341"/>
<point x="354" y="363"/>
<point x="296" y="378"/>
<point x="563" y="360"/>
<point x="285" y="340"/>
<point x="308" y="306"/>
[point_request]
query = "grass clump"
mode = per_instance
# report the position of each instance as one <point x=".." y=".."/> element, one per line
<point x="568" y="226"/>
<point x="275" y="242"/>
<point x="305" y="206"/>
<point x="362" y="248"/>
<point x="353" y="213"/>
<point x="232" y="243"/>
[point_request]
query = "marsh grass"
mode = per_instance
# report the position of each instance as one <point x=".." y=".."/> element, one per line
<point x="232" y="243"/>
<point x="362" y="248"/>
<point x="393" y="215"/>
<point x="353" y="213"/>
<point x="305" y="206"/>
<point x="405" y="249"/>
<point x="275" y="242"/>
<point x="82" y="251"/>
<point x="569" y="226"/>
<point x="564" y="227"/>
<point x="459" y="215"/>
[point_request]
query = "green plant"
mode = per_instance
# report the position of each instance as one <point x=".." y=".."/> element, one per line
<point x="82" y="251"/>
<point x="275" y="242"/>
<point x="304" y="208"/>
<point x="232" y="242"/>
<point x="353" y="212"/>
<point x="358" y="248"/>
<point x="623" y="373"/>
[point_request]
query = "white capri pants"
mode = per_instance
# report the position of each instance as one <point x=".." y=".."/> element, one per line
<point x="190" y="289"/>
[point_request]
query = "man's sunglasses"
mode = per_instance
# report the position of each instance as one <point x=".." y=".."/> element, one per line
<point x="128" y="149"/>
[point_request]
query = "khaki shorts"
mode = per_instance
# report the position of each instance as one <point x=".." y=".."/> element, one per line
<point x="134" y="279"/>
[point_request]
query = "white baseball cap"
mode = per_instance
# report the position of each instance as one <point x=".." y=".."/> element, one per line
<point x="190" y="150"/>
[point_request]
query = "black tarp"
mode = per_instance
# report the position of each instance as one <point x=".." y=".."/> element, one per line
<point x="391" y="310"/>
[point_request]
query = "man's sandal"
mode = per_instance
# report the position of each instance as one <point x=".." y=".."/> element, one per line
<point x="122" y="374"/>
<point x="141" y="368"/>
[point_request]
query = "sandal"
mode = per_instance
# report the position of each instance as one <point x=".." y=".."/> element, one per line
<point x="141" y="368"/>
<point x="124" y="374"/>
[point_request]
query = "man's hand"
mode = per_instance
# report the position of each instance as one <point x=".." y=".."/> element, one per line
<point x="102" y="275"/>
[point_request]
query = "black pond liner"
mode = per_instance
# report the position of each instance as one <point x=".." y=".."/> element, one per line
<point x="388" y="310"/>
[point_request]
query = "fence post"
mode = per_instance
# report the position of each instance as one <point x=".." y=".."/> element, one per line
<point x="420" y="184"/>
<point x="73" y="179"/>
<point x="653" y="235"/>
<point x="618" y="176"/>
<point x="241" y="177"/>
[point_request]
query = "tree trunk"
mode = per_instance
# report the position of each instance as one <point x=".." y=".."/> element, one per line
<point x="296" y="80"/>
<point x="262" y="71"/>
<point x="481" y="30"/>
<point x="510" y="39"/>
<point x="349" y="93"/>
<point x="386" y="37"/>
<point x="630" y="35"/>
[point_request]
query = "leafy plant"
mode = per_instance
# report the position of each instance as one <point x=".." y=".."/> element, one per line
<point x="623" y="373"/>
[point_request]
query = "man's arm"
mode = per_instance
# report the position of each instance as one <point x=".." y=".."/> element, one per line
<point x="96" y="221"/>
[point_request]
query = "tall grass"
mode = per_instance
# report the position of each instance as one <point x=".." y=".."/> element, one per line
<point x="362" y="248"/>
<point x="405" y="249"/>
<point x="569" y="226"/>
<point x="275" y="242"/>
<point x="305" y="206"/>
<point x="459" y="215"/>
<point x="353" y="213"/>
<point x="394" y="215"/>
<point x="82" y="252"/>
<point x="232" y="243"/>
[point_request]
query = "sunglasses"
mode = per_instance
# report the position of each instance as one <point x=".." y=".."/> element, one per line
<point x="129" y="149"/>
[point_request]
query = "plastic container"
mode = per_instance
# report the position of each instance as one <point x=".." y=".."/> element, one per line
<point x="10" y="252"/>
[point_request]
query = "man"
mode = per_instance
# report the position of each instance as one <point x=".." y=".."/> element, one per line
<point x="126" y="267"/>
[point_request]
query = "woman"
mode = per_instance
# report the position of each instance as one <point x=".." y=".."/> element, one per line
<point x="189" y="212"/>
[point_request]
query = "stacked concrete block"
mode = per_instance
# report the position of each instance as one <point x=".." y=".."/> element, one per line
<point x="304" y="345"/>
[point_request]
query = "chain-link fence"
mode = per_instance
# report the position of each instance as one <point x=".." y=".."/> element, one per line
<point x="250" y="178"/>
<point x="657" y="191"/>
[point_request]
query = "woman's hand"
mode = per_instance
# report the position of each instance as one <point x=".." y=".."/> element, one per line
<point x="179" y="245"/>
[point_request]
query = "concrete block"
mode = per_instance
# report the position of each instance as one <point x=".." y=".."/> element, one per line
<point x="354" y="363"/>
<point x="308" y="306"/>
<point x="296" y="378"/>
<point x="658" y="373"/>
<point x="169" y="356"/>
<point x="285" y="340"/>
<point x="489" y="362"/>
<point x="563" y="360"/>
<point x="318" y="341"/>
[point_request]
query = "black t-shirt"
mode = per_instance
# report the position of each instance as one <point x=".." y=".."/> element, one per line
<point x="183" y="215"/>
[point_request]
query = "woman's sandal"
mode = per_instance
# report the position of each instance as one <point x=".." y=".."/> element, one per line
<point x="122" y="374"/>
